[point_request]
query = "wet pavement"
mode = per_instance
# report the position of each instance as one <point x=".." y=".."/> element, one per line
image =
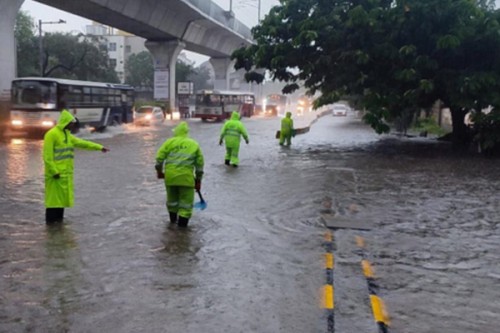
<point x="253" y="260"/>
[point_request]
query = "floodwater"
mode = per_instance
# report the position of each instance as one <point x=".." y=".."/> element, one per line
<point x="253" y="260"/>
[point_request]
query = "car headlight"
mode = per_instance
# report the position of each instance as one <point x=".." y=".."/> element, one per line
<point x="17" y="122"/>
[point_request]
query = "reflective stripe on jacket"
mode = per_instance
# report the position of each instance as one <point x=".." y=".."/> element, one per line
<point x="58" y="155"/>
<point x="181" y="158"/>
<point x="233" y="130"/>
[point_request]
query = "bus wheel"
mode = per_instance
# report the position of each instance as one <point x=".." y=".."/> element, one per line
<point x="204" y="120"/>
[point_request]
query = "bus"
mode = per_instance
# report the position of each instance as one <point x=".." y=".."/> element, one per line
<point x="218" y="105"/>
<point x="36" y="103"/>
<point x="277" y="102"/>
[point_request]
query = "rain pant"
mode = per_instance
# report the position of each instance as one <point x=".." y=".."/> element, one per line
<point x="58" y="155"/>
<point x="231" y="133"/>
<point x="286" y="129"/>
<point x="181" y="160"/>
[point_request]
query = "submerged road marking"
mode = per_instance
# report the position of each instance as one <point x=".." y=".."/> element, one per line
<point x="379" y="310"/>
<point x="328" y="289"/>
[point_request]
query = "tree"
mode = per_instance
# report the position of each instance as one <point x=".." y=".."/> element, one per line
<point x="27" y="47"/>
<point x="65" y="55"/>
<point x="77" y="57"/>
<point x="396" y="56"/>
<point x="140" y="72"/>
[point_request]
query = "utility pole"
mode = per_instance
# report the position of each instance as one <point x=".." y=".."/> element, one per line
<point x="40" y="41"/>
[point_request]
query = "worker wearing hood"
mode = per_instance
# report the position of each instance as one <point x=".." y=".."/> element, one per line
<point x="287" y="130"/>
<point x="58" y="155"/>
<point x="180" y="162"/>
<point x="231" y="133"/>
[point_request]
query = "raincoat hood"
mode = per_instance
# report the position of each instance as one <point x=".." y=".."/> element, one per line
<point x="289" y="115"/>
<point x="64" y="119"/>
<point x="181" y="130"/>
<point x="235" y="116"/>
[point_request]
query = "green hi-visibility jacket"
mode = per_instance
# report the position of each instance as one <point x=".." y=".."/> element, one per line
<point x="287" y="124"/>
<point x="181" y="158"/>
<point x="232" y="130"/>
<point x="58" y="155"/>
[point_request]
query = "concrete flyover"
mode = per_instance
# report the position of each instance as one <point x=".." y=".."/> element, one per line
<point x="169" y="26"/>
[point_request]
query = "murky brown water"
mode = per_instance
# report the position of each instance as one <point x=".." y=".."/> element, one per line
<point x="252" y="262"/>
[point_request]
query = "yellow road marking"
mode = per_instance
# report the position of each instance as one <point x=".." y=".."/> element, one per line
<point x="379" y="310"/>
<point x="360" y="241"/>
<point x="367" y="269"/>
<point x="328" y="297"/>
<point x="329" y="260"/>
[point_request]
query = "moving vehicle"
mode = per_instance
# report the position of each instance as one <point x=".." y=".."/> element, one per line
<point x="278" y="103"/>
<point x="149" y="115"/>
<point x="36" y="103"/>
<point x="339" y="110"/>
<point x="218" y="105"/>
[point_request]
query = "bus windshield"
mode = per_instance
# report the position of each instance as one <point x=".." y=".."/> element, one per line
<point x="34" y="94"/>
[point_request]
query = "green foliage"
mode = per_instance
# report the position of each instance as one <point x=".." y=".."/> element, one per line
<point x="487" y="129"/>
<point x="140" y="72"/>
<point x="27" y="46"/>
<point x="428" y="125"/>
<point x="395" y="56"/>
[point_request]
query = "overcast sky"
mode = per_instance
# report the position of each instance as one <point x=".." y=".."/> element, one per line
<point x="245" y="11"/>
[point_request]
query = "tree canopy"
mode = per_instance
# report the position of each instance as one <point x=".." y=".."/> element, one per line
<point x="65" y="55"/>
<point x="395" y="56"/>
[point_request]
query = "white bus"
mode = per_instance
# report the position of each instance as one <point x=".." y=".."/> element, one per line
<point x="218" y="104"/>
<point x="36" y="102"/>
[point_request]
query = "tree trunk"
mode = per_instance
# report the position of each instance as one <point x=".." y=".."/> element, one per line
<point x="460" y="137"/>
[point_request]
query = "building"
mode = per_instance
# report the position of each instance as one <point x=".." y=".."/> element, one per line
<point x="120" y="45"/>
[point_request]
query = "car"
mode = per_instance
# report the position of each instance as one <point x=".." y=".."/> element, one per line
<point x="149" y="115"/>
<point x="339" y="110"/>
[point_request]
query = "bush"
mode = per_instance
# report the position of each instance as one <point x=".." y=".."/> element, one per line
<point x="487" y="131"/>
<point x="428" y="125"/>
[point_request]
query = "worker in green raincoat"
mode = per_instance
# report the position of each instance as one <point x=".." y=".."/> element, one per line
<point x="180" y="162"/>
<point x="231" y="133"/>
<point x="287" y="130"/>
<point x="58" y="155"/>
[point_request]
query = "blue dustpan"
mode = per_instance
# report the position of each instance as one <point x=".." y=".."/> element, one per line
<point x="202" y="204"/>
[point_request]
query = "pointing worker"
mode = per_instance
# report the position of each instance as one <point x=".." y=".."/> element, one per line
<point x="58" y="155"/>
<point x="231" y="133"/>
<point x="180" y="162"/>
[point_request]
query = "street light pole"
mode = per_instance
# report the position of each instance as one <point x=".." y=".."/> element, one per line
<point x="40" y="41"/>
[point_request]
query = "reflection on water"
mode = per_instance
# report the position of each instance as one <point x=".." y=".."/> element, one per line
<point x="62" y="276"/>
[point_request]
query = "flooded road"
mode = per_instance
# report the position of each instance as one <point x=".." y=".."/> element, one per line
<point x="253" y="260"/>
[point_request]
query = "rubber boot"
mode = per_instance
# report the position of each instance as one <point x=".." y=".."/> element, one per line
<point x="183" y="221"/>
<point x="226" y="162"/>
<point x="173" y="217"/>
<point x="54" y="215"/>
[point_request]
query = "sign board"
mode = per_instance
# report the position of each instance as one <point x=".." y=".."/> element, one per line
<point x="185" y="88"/>
<point x="161" y="81"/>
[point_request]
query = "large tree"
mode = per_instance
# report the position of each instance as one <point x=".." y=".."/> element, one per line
<point x="395" y="56"/>
<point x="27" y="46"/>
<point x="65" y="55"/>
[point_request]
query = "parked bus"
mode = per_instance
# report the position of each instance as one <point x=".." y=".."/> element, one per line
<point x="218" y="105"/>
<point x="36" y="102"/>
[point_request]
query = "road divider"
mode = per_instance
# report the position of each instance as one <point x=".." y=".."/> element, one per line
<point x="380" y="313"/>
<point x="328" y="293"/>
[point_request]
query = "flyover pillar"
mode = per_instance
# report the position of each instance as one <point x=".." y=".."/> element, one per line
<point x="165" y="57"/>
<point x="222" y="68"/>
<point x="8" y="49"/>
